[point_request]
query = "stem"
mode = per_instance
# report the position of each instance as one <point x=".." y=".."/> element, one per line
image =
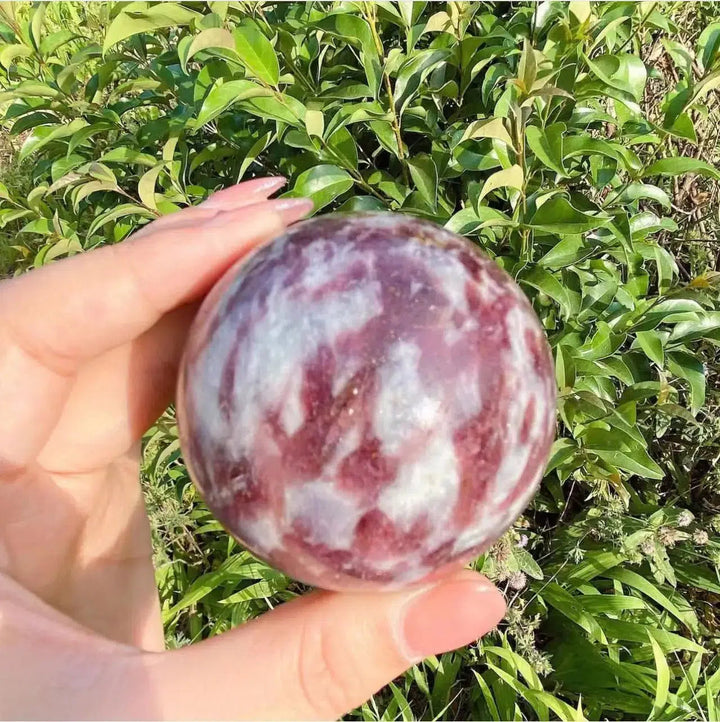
<point x="638" y="28"/>
<point x="395" y="121"/>
<point x="354" y="173"/>
<point x="11" y="22"/>
<point x="526" y="249"/>
<point x="616" y="194"/>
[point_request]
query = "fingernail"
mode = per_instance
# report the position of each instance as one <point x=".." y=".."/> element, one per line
<point x="292" y="209"/>
<point x="289" y="210"/>
<point x="244" y="194"/>
<point x="446" y="616"/>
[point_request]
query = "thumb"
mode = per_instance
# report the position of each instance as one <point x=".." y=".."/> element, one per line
<point x="320" y="656"/>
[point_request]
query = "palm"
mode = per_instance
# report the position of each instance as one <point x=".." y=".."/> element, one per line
<point x="82" y="502"/>
<point x="73" y="528"/>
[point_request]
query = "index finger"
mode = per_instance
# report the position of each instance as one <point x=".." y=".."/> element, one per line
<point x="53" y="319"/>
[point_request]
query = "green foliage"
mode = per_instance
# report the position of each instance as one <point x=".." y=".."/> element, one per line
<point x="536" y="130"/>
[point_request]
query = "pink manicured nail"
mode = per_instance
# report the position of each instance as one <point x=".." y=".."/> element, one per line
<point x="448" y="615"/>
<point x="292" y="209"/>
<point x="289" y="209"/>
<point x="244" y="194"/>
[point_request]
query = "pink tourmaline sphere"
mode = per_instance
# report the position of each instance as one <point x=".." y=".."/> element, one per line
<point x="366" y="401"/>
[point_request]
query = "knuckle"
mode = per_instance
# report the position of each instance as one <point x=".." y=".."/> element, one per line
<point x="321" y="660"/>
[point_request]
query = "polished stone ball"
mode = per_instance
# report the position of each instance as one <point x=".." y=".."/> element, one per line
<point x="366" y="401"/>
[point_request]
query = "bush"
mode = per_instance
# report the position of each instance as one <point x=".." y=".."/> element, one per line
<point x="555" y="136"/>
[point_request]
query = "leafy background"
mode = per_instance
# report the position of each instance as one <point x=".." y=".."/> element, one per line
<point x="577" y="144"/>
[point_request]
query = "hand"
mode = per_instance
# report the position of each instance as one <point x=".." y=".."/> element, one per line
<point x="89" y="349"/>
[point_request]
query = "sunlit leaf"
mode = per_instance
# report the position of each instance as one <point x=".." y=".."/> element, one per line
<point x="557" y="215"/>
<point x="145" y="17"/>
<point x="322" y="183"/>
<point x="223" y="95"/>
<point x="679" y="166"/>
<point x="257" y="53"/>
<point x="511" y="177"/>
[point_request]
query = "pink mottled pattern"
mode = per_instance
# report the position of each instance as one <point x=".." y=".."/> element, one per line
<point x="366" y="401"/>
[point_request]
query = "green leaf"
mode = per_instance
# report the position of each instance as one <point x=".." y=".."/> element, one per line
<point x="412" y="74"/>
<point x="562" y="450"/>
<point x="565" y="252"/>
<point x="547" y="145"/>
<point x="83" y="191"/>
<point x="594" y="564"/>
<point x="670" y="310"/>
<point x="257" y="53"/>
<point x="572" y="608"/>
<point x="585" y="144"/>
<point x="709" y="83"/>
<point x="343" y="146"/>
<point x="84" y="134"/>
<point x="662" y="680"/>
<point x="679" y="165"/>
<point x="556" y="215"/>
<point x="32" y="120"/>
<point x="651" y="343"/>
<point x="255" y="150"/>
<point x="258" y="590"/>
<point x="527" y="68"/>
<point x="527" y="564"/>
<point x="42" y="135"/>
<point x="354" y="30"/>
<point x="347" y="91"/>
<point x="511" y="177"/>
<point x="625" y="72"/>
<point x="29" y="89"/>
<point x="488" y="128"/>
<point x="355" y="113"/>
<point x="634" y="632"/>
<point x="278" y="106"/>
<point x="230" y="569"/>
<point x="223" y="95"/>
<point x="439" y="23"/>
<point x="314" y="122"/>
<point x="646" y="223"/>
<point x="146" y="186"/>
<point x="470" y="220"/>
<point x="611" y="603"/>
<point x="666" y="268"/>
<point x="113" y="214"/>
<point x="547" y="283"/>
<point x="411" y="11"/>
<point x="689" y="368"/>
<point x="580" y="10"/>
<point x="350" y="28"/>
<point x="425" y="176"/>
<point x="697" y="576"/>
<point x="146" y="18"/>
<point x="323" y="184"/>
<point x="123" y="154"/>
<point x="634" y="462"/>
<point x="708" y="45"/>
<point x="636" y="581"/>
<point x="362" y="204"/>
<point x="11" y="52"/>
<point x="36" y="24"/>
<point x="99" y="171"/>
<point x="385" y="135"/>
<point x="640" y="191"/>
<point x="56" y="40"/>
<point x="209" y="38"/>
<point x="700" y="326"/>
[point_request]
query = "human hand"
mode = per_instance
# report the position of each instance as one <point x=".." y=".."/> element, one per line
<point x="89" y="350"/>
